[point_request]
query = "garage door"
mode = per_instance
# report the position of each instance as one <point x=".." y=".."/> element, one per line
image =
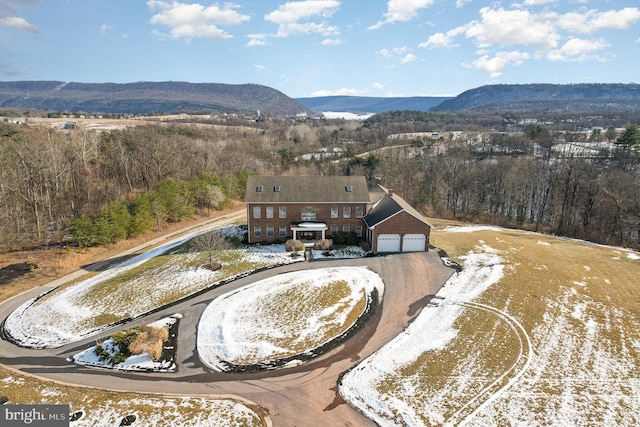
<point x="413" y="242"/>
<point x="389" y="243"/>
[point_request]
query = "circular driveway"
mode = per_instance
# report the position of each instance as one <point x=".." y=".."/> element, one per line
<point x="305" y="395"/>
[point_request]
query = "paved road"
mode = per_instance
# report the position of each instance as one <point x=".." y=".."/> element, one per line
<point x="301" y="396"/>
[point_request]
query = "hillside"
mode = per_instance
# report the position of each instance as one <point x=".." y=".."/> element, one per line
<point x="367" y="104"/>
<point x="147" y="97"/>
<point x="549" y="97"/>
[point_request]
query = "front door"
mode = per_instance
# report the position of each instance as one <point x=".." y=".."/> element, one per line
<point x="308" y="235"/>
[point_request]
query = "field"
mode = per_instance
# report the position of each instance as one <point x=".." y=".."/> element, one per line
<point x="103" y="408"/>
<point x="535" y="330"/>
<point x="285" y="318"/>
<point x="131" y="288"/>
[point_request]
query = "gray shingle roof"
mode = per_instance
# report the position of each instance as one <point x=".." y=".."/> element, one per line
<point x="388" y="206"/>
<point x="307" y="189"/>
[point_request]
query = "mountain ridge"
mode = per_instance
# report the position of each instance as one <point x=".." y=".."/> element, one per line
<point x="175" y="96"/>
<point x="147" y="97"/>
<point x="574" y="97"/>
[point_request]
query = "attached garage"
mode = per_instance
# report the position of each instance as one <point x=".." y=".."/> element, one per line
<point x="389" y="243"/>
<point x="413" y="242"/>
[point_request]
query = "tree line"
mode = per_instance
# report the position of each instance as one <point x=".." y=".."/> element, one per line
<point x="87" y="187"/>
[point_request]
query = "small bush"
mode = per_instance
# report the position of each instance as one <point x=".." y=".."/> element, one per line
<point x="293" y="245"/>
<point x="323" y="245"/>
<point x="118" y="351"/>
<point x="150" y="340"/>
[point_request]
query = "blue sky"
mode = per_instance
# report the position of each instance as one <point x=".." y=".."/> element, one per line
<point x="323" y="47"/>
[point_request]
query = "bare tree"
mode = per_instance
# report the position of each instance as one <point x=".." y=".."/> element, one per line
<point x="210" y="242"/>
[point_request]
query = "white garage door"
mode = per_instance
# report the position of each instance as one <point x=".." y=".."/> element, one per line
<point x="413" y="242"/>
<point x="389" y="243"/>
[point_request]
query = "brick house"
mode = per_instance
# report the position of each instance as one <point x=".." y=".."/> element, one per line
<point x="319" y="207"/>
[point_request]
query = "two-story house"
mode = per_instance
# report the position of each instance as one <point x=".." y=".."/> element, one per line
<point x="319" y="207"/>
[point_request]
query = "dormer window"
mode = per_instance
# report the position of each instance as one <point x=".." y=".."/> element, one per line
<point x="259" y="189"/>
<point x="276" y="189"/>
<point x="348" y="189"/>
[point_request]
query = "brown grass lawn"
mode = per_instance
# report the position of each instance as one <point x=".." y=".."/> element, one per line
<point x="110" y="407"/>
<point x="580" y="305"/>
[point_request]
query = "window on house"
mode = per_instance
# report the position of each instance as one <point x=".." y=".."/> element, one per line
<point x="257" y="231"/>
<point x="346" y="229"/>
<point x="282" y="231"/>
<point x="256" y="212"/>
<point x="359" y="212"/>
<point x="276" y="189"/>
<point x="359" y="230"/>
<point x="346" y="212"/>
<point x="308" y="214"/>
<point x="334" y="230"/>
<point x="348" y="189"/>
<point x="259" y="189"/>
<point x="270" y="231"/>
<point x="334" y="212"/>
<point x="269" y="211"/>
<point x="282" y="211"/>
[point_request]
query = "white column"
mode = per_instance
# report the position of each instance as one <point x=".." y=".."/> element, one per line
<point x="323" y="234"/>
<point x="294" y="234"/>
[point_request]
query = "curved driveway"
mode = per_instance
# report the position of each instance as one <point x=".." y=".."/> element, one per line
<point x="305" y="395"/>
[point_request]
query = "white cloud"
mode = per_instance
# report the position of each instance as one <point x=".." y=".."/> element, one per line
<point x="577" y="50"/>
<point x="593" y="20"/>
<point x="331" y="42"/>
<point x="104" y="28"/>
<point x="509" y="27"/>
<point x="257" y="40"/>
<point x="537" y="2"/>
<point x="385" y="53"/>
<point x="494" y="65"/>
<point x="378" y="86"/>
<point x="259" y="68"/>
<point x="408" y="58"/>
<point x="289" y="15"/>
<point x="343" y="91"/>
<point x="192" y="20"/>
<point x="437" y="41"/>
<point x="617" y="19"/>
<point x="18" y="23"/>
<point x="401" y="11"/>
<point x="460" y="3"/>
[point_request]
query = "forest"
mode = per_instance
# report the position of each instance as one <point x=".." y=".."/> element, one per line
<point x="569" y="175"/>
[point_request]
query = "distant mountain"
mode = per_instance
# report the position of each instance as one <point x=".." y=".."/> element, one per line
<point x="366" y="104"/>
<point x="147" y="97"/>
<point x="549" y="97"/>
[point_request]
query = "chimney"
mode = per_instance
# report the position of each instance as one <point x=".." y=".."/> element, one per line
<point x="391" y="192"/>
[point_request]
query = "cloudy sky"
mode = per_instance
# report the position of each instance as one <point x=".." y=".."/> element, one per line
<point x="323" y="47"/>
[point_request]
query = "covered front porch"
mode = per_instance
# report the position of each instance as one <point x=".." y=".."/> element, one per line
<point x="309" y="231"/>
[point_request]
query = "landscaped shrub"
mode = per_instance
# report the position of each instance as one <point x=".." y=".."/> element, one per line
<point x="293" y="245"/>
<point x="150" y="340"/>
<point x="118" y="351"/>
<point x="323" y="245"/>
<point x="132" y="342"/>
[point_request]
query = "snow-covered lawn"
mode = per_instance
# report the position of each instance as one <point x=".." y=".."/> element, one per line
<point x="132" y="288"/>
<point x="285" y="319"/>
<point x="103" y="408"/>
<point x="140" y="362"/>
<point x="340" y="253"/>
<point x="535" y="330"/>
